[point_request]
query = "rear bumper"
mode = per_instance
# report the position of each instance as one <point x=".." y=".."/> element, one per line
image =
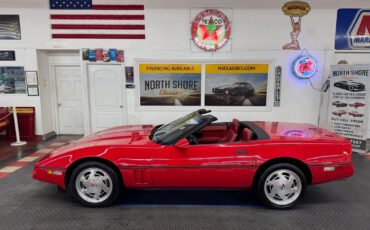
<point x="50" y="175"/>
<point x="330" y="172"/>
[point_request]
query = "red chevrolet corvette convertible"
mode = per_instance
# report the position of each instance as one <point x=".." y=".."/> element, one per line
<point x="277" y="159"/>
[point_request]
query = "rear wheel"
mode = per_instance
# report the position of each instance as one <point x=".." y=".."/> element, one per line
<point x="281" y="186"/>
<point x="94" y="184"/>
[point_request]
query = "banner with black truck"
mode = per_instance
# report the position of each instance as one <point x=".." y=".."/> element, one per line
<point x="236" y="84"/>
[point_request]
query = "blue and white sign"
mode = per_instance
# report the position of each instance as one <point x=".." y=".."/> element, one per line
<point x="353" y="29"/>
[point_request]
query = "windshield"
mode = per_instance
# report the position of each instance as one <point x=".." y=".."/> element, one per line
<point x="178" y="127"/>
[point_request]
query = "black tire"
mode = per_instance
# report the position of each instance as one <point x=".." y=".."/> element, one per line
<point x="269" y="171"/>
<point x="116" y="184"/>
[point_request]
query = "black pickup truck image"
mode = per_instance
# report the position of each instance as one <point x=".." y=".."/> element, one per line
<point x="234" y="93"/>
<point x="350" y="86"/>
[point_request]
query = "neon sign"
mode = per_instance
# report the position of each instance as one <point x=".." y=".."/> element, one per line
<point x="305" y="67"/>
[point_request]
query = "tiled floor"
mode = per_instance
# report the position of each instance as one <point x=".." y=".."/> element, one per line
<point x="13" y="158"/>
<point x="7" y="151"/>
<point x="29" y="204"/>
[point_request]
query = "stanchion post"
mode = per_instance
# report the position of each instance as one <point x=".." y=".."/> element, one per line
<point x="18" y="142"/>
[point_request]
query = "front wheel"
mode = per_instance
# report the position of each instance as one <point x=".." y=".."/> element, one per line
<point x="94" y="184"/>
<point x="281" y="186"/>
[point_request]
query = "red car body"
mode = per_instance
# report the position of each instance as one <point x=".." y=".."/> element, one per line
<point x="339" y="113"/>
<point x="357" y="104"/>
<point x="142" y="163"/>
<point x="355" y="114"/>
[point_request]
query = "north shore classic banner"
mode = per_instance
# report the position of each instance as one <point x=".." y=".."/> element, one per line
<point x="349" y="103"/>
<point x="236" y="84"/>
<point x="170" y="84"/>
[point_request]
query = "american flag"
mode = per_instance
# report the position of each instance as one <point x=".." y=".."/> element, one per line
<point x="96" y="19"/>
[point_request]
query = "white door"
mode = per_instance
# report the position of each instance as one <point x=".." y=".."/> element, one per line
<point x="106" y="96"/>
<point x="69" y="99"/>
<point x="355" y="58"/>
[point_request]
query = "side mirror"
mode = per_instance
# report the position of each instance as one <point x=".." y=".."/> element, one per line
<point x="182" y="144"/>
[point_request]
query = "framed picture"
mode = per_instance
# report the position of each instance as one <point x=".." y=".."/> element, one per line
<point x="33" y="90"/>
<point x="10" y="27"/>
<point x="236" y="84"/>
<point x="7" y="55"/>
<point x="129" y="74"/>
<point x="31" y="78"/>
<point x="12" y="80"/>
<point x="170" y="84"/>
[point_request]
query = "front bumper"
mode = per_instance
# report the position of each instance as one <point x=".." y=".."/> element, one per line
<point x="330" y="172"/>
<point x="50" y="175"/>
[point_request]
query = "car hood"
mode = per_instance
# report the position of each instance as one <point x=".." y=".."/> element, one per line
<point x="286" y="131"/>
<point x="121" y="136"/>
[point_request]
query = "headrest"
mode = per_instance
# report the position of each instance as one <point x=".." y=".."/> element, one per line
<point x="247" y="134"/>
<point x="235" y="125"/>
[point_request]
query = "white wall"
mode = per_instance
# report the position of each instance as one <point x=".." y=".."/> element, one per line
<point x="169" y="29"/>
<point x="258" y="32"/>
<point x="28" y="59"/>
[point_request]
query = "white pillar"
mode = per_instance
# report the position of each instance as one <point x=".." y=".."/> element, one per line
<point x="18" y="142"/>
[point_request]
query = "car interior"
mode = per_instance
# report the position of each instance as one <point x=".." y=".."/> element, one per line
<point x="224" y="132"/>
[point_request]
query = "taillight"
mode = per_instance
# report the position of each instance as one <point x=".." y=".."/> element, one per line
<point x="348" y="154"/>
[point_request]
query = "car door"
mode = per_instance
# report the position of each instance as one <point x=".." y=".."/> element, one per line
<point x="203" y="166"/>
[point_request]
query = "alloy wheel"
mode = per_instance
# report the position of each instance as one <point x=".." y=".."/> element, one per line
<point x="282" y="187"/>
<point x="94" y="185"/>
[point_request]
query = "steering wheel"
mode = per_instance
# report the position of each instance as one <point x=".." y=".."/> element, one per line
<point x="193" y="140"/>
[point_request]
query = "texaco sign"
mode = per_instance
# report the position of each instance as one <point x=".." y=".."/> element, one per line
<point x="210" y="29"/>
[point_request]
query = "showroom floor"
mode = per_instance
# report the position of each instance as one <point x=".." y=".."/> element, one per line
<point x="29" y="204"/>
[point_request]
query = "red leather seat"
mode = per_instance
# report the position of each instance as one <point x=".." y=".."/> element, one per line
<point x="232" y="132"/>
<point x="247" y="134"/>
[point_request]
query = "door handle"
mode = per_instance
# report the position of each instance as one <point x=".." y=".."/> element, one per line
<point x="59" y="104"/>
<point x="121" y="106"/>
<point x="241" y="151"/>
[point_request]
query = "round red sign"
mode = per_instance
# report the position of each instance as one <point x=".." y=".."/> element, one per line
<point x="210" y="29"/>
